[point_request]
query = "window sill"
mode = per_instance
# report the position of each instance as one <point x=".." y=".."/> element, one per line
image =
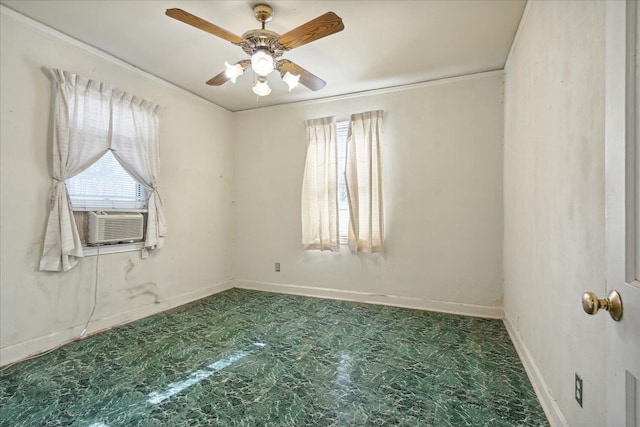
<point x="112" y="249"/>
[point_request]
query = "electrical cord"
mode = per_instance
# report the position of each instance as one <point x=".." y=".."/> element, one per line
<point x="95" y="296"/>
<point x="84" y="331"/>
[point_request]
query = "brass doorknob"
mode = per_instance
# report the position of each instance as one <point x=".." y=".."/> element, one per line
<point x="613" y="304"/>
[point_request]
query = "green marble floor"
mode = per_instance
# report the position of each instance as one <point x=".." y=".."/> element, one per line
<point x="246" y="358"/>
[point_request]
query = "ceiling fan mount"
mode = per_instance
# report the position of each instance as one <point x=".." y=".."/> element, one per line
<point x="253" y="40"/>
<point x="263" y="13"/>
<point x="266" y="47"/>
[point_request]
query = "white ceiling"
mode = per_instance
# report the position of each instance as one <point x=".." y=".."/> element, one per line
<point x="384" y="43"/>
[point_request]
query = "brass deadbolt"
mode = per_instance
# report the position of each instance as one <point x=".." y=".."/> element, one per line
<point x="613" y="304"/>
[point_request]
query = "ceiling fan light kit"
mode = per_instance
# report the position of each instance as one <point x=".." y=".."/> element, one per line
<point x="291" y="80"/>
<point x="261" y="87"/>
<point x="266" y="47"/>
<point x="233" y="71"/>
<point x="262" y="63"/>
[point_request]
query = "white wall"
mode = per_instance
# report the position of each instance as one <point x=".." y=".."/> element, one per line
<point x="442" y="178"/>
<point x="554" y="200"/>
<point x="39" y="310"/>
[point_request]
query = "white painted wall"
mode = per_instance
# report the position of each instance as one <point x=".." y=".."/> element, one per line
<point x="442" y="177"/>
<point x="554" y="200"/>
<point x="38" y="309"/>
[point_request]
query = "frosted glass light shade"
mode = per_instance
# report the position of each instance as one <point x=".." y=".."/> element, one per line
<point x="291" y="80"/>
<point x="262" y="63"/>
<point x="261" y="87"/>
<point x="233" y="71"/>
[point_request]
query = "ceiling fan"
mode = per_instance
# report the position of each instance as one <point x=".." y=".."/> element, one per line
<point x="266" y="48"/>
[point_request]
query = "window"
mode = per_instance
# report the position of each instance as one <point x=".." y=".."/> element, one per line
<point x="83" y="109"/>
<point x="106" y="186"/>
<point x="342" y="184"/>
<point x="342" y="129"/>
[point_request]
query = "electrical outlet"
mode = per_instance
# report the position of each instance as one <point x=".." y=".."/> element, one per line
<point x="579" y="390"/>
<point x="277" y="266"/>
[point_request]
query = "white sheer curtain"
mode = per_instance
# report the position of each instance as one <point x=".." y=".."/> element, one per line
<point x="320" y="187"/>
<point x="86" y="116"/>
<point x="135" y="144"/>
<point x="364" y="182"/>
<point x="80" y="137"/>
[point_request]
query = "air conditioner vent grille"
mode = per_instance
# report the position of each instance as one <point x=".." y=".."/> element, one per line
<point x="113" y="227"/>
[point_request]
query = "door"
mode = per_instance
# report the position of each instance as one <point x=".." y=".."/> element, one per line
<point x="622" y="212"/>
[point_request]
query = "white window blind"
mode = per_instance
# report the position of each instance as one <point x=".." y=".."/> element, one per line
<point x="106" y="186"/>
<point x="342" y="129"/>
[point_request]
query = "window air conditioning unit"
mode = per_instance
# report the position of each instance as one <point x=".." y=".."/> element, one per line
<point x="115" y="227"/>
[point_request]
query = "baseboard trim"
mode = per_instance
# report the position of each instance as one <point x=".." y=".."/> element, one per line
<point x="371" y="298"/>
<point x="551" y="409"/>
<point x="47" y="343"/>
<point x="44" y="344"/>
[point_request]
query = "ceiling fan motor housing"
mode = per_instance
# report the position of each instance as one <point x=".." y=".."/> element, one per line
<point x="254" y="40"/>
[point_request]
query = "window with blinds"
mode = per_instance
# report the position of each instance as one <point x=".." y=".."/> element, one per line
<point x="342" y="129"/>
<point x="106" y="186"/>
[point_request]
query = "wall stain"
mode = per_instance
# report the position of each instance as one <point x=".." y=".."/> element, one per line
<point x="148" y="288"/>
<point x="130" y="266"/>
<point x="496" y="303"/>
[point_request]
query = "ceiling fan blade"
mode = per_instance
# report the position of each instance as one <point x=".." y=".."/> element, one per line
<point x="203" y="25"/>
<point x="306" y="78"/>
<point x="219" y="79"/>
<point x="322" y="26"/>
